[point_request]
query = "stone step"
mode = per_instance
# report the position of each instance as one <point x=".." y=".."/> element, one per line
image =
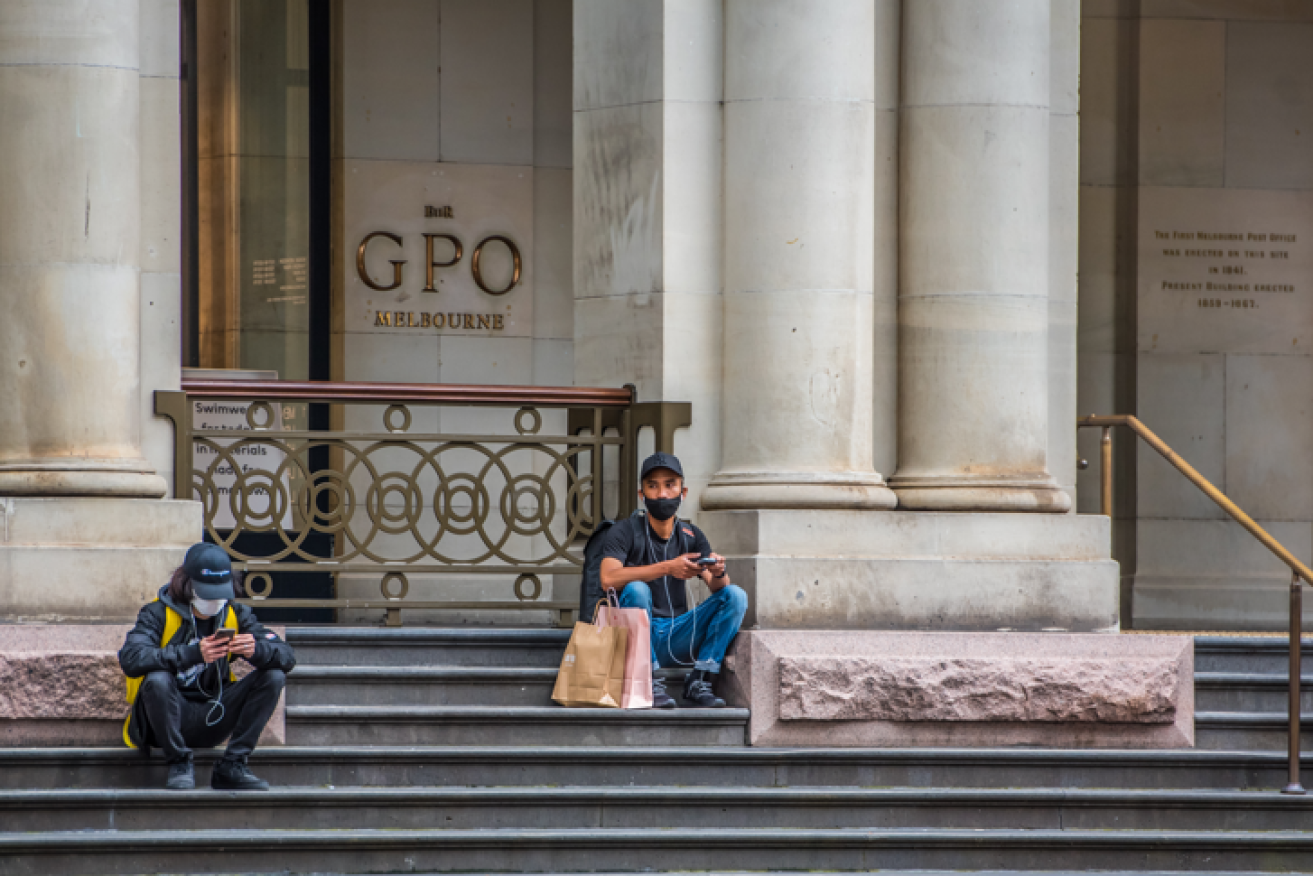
<point x="355" y="850"/>
<point x="432" y="685"/>
<point x="428" y="646"/>
<point x="1045" y="872"/>
<point x="1249" y="731"/>
<point x="635" y="808"/>
<point x="1261" y="654"/>
<point x="512" y="725"/>
<point x="350" y="766"/>
<point x="1247" y="692"/>
<point x="421" y="686"/>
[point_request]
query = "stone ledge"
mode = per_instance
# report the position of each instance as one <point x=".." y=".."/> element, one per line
<point x="887" y="689"/>
<point x="108" y="522"/>
<point x="89" y="561"/>
<point x="904" y="570"/>
<point x="62" y="685"/>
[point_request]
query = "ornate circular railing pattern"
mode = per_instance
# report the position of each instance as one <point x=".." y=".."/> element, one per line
<point x="390" y="502"/>
<point x="518" y="499"/>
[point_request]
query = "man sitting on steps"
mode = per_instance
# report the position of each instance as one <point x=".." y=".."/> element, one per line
<point x="651" y="557"/>
<point x="180" y="680"/>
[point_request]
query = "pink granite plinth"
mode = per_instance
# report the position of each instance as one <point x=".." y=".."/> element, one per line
<point x="60" y="684"/>
<point x="896" y="689"/>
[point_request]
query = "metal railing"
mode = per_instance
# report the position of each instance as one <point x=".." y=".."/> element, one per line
<point x="372" y="497"/>
<point x="1299" y="572"/>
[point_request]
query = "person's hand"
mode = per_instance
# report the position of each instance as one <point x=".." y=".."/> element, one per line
<point x="212" y="649"/>
<point x="683" y="567"/>
<point x="243" y="646"/>
<point x="717" y="570"/>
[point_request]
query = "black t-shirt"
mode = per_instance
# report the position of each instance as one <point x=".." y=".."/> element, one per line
<point x="633" y="542"/>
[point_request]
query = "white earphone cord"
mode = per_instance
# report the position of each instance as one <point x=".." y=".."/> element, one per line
<point x="665" y="582"/>
<point x="217" y="701"/>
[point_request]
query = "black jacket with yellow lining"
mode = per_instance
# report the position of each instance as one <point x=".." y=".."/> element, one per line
<point x="155" y="644"/>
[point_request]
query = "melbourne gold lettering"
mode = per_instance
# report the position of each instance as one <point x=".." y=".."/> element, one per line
<point x="515" y="256"/>
<point x="458" y="251"/>
<point x="396" y="263"/>
<point x="408" y="319"/>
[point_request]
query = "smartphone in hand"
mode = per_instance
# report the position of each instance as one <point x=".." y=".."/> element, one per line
<point x="224" y="634"/>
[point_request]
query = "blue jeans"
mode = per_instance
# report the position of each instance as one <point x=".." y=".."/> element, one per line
<point x="705" y="631"/>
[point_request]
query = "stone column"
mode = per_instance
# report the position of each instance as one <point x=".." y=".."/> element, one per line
<point x="974" y="258"/>
<point x="83" y="534"/>
<point x="647" y="210"/>
<point x="799" y="257"/>
<point x="69" y="252"/>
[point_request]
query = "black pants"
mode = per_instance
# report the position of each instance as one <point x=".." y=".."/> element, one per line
<point x="177" y="723"/>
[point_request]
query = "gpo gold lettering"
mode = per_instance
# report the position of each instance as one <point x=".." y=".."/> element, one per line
<point x="396" y="263"/>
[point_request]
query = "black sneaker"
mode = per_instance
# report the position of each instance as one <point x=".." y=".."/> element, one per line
<point x="232" y="775"/>
<point x="182" y="776"/>
<point x="697" y="690"/>
<point x="661" y="699"/>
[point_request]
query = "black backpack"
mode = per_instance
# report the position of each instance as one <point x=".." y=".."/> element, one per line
<point x="590" y="588"/>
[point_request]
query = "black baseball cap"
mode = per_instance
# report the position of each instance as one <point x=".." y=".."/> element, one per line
<point x="210" y="571"/>
<point x="660" y="460"/>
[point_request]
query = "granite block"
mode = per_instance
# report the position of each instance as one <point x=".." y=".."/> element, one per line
<point x="973" y="690"/>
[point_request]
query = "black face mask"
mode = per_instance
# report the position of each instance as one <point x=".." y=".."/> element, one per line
<point x="661" y="509"/>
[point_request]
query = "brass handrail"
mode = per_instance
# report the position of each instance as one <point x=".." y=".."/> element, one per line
<point x="1299" y="572"/>
<point x="449" y="393"/>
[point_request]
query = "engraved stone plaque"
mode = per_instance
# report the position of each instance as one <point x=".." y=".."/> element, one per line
<point x="1225" y="271"/>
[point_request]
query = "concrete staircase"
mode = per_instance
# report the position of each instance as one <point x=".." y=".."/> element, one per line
<point x="437" y="750"/>
<point x="1241" y="693"/>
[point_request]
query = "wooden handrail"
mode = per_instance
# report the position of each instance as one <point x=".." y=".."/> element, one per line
<point x="414" y="393"/>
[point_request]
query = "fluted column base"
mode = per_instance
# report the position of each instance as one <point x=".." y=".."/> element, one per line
<point x="1036" y="495"/>
<point x="729" y="491"/>
<point x="110" y="478"/>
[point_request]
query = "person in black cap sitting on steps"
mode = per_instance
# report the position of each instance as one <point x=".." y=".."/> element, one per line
<point x="651" y="557"/>
<point x="180" y="680"/>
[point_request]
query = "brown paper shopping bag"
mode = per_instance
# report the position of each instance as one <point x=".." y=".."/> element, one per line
<point x="593" y="668"/>
<point x="638" y="652"/>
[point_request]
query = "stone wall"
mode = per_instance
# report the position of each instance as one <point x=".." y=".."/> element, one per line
<point x="1195" y="122"/>
<point x="447" y="103"/>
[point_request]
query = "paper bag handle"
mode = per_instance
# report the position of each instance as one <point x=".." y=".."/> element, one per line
<point x="610" y="599"/>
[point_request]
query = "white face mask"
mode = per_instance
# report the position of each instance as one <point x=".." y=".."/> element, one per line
<point x="207" y="607"/>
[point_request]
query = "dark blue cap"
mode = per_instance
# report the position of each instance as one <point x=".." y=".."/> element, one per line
<point x="660" y="460"/>
<point x="210" y="571"/>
